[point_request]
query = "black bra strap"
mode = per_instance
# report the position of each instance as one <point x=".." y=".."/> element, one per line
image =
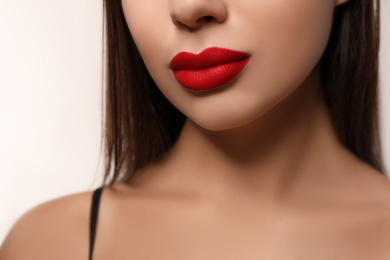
<point x="93" y="219"/>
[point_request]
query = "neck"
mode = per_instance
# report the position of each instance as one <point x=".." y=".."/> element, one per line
<point x="290" y="150"/>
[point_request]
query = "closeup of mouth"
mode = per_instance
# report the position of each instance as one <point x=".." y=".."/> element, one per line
<point x="210" y="69"/>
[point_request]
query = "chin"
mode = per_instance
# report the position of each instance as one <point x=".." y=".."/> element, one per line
<point x="223" y="121"/>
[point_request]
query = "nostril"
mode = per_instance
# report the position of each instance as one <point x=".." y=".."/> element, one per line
<point x="205" y="19"/>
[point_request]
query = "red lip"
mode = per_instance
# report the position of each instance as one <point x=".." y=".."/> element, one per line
<point x="210" y="69"/>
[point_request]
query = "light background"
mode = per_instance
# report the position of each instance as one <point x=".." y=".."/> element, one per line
<point x="51" y="100"/>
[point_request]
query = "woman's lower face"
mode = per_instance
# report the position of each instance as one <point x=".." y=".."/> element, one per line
<point x="225" y="63"/>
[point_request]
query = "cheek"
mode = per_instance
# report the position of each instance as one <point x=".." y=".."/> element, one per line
<point x="290" y="39"/>
<point x="149" y="23"/>
<point x="293" y="35"/>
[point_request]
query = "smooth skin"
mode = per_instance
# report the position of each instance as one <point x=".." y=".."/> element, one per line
<point x="257" y="173"/>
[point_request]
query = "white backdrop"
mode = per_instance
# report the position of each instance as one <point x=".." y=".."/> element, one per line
<point x="50" y="100"/>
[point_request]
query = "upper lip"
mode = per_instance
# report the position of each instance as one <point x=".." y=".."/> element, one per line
<point x="209" y="57"/>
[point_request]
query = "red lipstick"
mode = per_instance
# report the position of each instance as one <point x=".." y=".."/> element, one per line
<point x="210" y="69"/>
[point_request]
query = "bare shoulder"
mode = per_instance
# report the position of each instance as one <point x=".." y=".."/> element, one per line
<point x="374" y="186"/>
<point x="57" y="229"/>
<point x="373" y="189"/>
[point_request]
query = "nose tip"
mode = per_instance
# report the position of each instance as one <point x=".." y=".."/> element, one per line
<point x="196" y="13"/>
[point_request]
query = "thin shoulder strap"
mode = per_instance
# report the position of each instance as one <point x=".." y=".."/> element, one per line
<point x="93" y="218"/>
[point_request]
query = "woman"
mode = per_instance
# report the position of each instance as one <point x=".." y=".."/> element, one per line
<point x="234" y="130"/>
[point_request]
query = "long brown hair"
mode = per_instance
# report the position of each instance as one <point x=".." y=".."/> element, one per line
<point x="141" y="124"/>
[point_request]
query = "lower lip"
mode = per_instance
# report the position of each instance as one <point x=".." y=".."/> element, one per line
<point x="210" y="78"/>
